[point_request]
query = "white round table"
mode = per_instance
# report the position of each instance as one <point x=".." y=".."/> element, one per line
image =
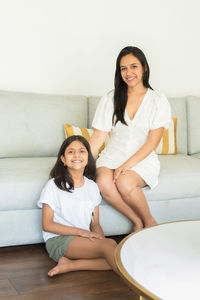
<point x="162" y="262"/>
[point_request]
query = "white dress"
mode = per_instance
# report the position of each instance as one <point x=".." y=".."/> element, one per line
<point x="154" y="112"/>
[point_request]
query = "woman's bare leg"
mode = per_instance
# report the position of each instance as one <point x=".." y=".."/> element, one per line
<point x="130" y="187"/>
<point x="112" y="195"/>
<point x="84" y="254"/>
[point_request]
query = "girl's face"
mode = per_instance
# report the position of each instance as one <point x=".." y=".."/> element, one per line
<point x="75" y="156"/>
<point x="131" y="70"/>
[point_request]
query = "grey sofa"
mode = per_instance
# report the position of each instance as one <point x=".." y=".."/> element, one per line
<point x="31" y="132"/>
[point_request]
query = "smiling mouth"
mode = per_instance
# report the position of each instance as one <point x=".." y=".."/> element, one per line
<point x="76" y="161"/>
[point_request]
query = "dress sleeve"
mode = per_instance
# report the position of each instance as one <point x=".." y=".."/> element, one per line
<point x="103" y="116"/>
<point x="48" y="196"/>
<point x="162" y="113"/>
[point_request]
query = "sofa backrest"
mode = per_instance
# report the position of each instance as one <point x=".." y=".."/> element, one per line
<point x="193" y="112"/>
<point x="178" y="107"/>
<point x="32" y="124"/>
<point x="93" y="102"/>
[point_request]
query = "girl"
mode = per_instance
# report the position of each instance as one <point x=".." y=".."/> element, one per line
<point x="70" y="212"/>
<point x="136" y="117"/>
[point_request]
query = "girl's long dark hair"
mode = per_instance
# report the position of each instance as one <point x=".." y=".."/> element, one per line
<point x="60" y="172"/>
<point x="120" y="93"/>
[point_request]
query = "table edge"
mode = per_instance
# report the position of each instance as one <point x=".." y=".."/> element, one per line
<point x="134" y="285"/>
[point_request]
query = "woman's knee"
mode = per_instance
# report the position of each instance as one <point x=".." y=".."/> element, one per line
<point x="125" y="187"/>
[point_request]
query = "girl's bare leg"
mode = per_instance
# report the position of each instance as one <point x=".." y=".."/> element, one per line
<point x="112" y="195"/>
<point x="84" y="254"/>
<point x="68" y="265"/>
<point x="130" y="187"/>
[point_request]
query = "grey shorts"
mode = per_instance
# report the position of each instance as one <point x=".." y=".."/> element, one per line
<point x="57" y="246"/>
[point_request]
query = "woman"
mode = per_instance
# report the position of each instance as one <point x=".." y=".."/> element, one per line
<point x="136" y="116"/>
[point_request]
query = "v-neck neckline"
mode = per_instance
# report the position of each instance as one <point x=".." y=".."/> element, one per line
<point x="139" y="108"/>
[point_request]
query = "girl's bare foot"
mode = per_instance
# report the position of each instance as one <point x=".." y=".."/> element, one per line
<point x="63" y="266"/>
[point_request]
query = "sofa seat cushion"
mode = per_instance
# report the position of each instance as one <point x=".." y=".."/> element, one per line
<point x="179" y="178"/>
<point x="21" y="181"/>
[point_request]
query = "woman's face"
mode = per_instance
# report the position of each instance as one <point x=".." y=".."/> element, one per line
<point x="131" y="70"/>
<point x="75" y="156"/>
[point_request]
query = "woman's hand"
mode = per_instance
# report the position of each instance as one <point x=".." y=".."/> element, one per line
<point x="121" y="170"/>
<point x="151" y="143"/>
<point x="90" y="235"/>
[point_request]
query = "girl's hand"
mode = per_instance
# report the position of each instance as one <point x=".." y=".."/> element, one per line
<point x="120" y="170"/>
<point x="90" y="235"/>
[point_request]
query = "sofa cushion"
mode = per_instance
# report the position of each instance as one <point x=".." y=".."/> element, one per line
<point x="93" y="102"/>
<point x="168" y="143"/>
<point x="32" y="124"/>
<point x="178" y="107"/>
<point x="179" y="178"/>
<point x="193" y="109"/>
<point x="21" y="181"/>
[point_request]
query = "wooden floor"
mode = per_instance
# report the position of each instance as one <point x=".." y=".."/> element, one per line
<point x="23" y="276"/>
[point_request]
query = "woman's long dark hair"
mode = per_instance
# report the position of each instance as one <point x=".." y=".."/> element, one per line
<point x="120" y="93"/>
<point x="61" y="174"/>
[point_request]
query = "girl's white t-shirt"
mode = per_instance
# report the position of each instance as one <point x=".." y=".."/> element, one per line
<point x="71" y="209"/>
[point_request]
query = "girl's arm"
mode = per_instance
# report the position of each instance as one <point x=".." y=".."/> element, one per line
<point x="50" y="226"/>
<point x="152" y="142"/>
<point x="95" y="226"/>
<point x="96" y="141"/>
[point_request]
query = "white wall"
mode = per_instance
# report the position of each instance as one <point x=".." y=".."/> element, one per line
<point x="70" y="46"/>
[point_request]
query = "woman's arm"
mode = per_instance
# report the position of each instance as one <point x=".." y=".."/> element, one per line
<point x="50" y="226"/>
<point x="152" y="142"/>
<point x="95" y="226"/>
<point x="96" y="141"/>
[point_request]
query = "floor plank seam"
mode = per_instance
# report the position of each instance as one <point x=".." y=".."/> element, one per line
<point x="9" y="279"/>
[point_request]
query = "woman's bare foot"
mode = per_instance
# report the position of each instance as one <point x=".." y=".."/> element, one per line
<point x="150" y="223"/>
<point x="63" y="266"/>
<point x="137" y="227"/>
